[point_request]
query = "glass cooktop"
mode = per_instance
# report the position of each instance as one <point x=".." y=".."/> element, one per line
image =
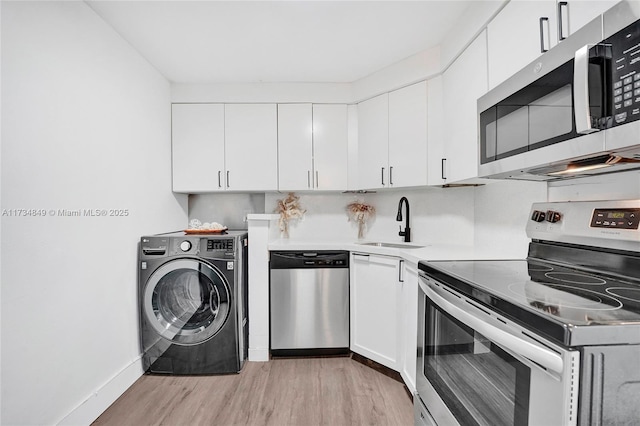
<point x="568" y="305"/>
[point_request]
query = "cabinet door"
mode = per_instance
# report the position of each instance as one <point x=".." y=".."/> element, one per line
<point x="375" y="295"/>
<point x="435" y="133"/>
<point x="464" y="82"/>
<point x="197" y="147"/>
<point x="408" y="136"/>
<point x="373" y="142"/>
<point x="251" y="144"/>
<point x="575" y="14"/>
<point x="514" y="37"/>
<point x="295" y="156"/>
<point x="330" y="147"/>
<point x="409" y="324"/>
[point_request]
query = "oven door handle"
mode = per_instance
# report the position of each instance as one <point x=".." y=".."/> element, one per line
<point x="540" y="355"/>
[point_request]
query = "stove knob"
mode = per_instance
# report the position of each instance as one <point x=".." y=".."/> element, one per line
<point x="185" y="245"/>
<point x="553" y="217"/>
<point x="538" y="216"/>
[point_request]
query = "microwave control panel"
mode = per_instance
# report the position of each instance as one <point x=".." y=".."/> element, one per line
<point x="615" y="218"/>
<point x="625" y="74"/>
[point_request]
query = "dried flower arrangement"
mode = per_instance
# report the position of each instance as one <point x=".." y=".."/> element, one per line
<point x="289" y="208"/>
<point x="360" y="212"/>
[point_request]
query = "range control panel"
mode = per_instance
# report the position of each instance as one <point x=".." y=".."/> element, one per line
<point x="616" y="218"/>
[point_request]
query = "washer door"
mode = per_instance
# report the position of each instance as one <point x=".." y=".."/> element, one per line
<point x="186" y="301"/>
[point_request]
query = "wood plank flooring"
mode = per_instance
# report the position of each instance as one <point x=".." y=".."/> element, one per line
<point x="301" y="391"/>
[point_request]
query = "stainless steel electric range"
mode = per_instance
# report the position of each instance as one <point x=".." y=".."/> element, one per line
<point x="553" y="339"/>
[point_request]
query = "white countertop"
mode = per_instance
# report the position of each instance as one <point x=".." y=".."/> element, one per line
<point x="425" y="252"/>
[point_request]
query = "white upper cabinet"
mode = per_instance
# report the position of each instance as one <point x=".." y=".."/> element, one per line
<point x="330" y="147"/>
<point x="197" y="138"/>
<point x="373" y="142"/>
<point x="516" y="36"/>
<point x="295" y="147"/>
<point x="408" y="136"/>
<point x="392" y="139"/>
<point x="251" y="147"/>
<point x="436" y="156"/>
<point x="575" y="14"/>
<point x="218" y="147"/>
<point x="312" y="147"/>
<point x="464" y="82"/>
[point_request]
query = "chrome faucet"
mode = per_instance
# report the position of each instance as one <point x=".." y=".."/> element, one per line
<point x="407" y="230"/>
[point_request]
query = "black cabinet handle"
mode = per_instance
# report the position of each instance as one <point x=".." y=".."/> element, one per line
<point x="382" y="176"/>
<point x="542" y="22"/>
<point x="219" y="181"/>
<point x="228" y="179"/>
<point x="561" y="6"/>
<point x="442" y="168"/>
<point x="391" y="175"/>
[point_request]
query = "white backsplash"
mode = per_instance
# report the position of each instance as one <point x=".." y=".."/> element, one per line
<point x="495" y="213"/>
<point x="614" y="186"/>
<point x="483" y="215"/>
<point x="437" y="215"/>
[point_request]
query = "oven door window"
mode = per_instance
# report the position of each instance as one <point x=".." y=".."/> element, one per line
<point x="480" y="383"/>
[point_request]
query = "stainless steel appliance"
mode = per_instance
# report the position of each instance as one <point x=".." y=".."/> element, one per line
<point x="553" y="339"/>
<point x="575" y="111"/>
<point x="309" y="293"/>
<point x="193" y="303"/>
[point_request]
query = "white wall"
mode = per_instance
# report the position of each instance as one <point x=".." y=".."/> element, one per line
<point x="85" y="125"/>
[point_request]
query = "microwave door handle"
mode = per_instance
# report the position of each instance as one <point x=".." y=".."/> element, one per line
<point x="545" y="357"/>
<point x="581" y="91"/>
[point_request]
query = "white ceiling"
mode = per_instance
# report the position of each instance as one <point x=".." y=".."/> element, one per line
<point x="278" y="41"/>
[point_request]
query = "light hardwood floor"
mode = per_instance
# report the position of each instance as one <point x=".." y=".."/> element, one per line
<point x="301" y="391"/>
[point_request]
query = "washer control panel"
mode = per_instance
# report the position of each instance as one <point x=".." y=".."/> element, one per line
<point x="225" y="244"/>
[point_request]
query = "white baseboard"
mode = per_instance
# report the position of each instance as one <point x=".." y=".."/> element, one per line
<point x="101" y="399"/>
<point x="259" y="355"/>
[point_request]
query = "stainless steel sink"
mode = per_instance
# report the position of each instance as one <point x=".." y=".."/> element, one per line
<point x="392" y="245"/>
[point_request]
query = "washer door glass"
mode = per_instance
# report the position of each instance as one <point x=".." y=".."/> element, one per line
<point x="186" y="301"/>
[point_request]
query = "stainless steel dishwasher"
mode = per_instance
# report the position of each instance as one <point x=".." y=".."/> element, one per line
<point x="309" y="302"/>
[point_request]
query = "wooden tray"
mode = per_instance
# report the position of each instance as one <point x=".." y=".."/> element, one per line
<point x="205" y="231"/>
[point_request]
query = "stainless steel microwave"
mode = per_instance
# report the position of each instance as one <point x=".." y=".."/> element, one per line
<point x="575" y="111"/>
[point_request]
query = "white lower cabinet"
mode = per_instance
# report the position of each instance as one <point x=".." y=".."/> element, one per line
<point x="375" y="300"/>
<point x="408" y="323"/>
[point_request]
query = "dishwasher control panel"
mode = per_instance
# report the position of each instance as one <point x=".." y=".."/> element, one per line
<point x="308" y="259"/>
